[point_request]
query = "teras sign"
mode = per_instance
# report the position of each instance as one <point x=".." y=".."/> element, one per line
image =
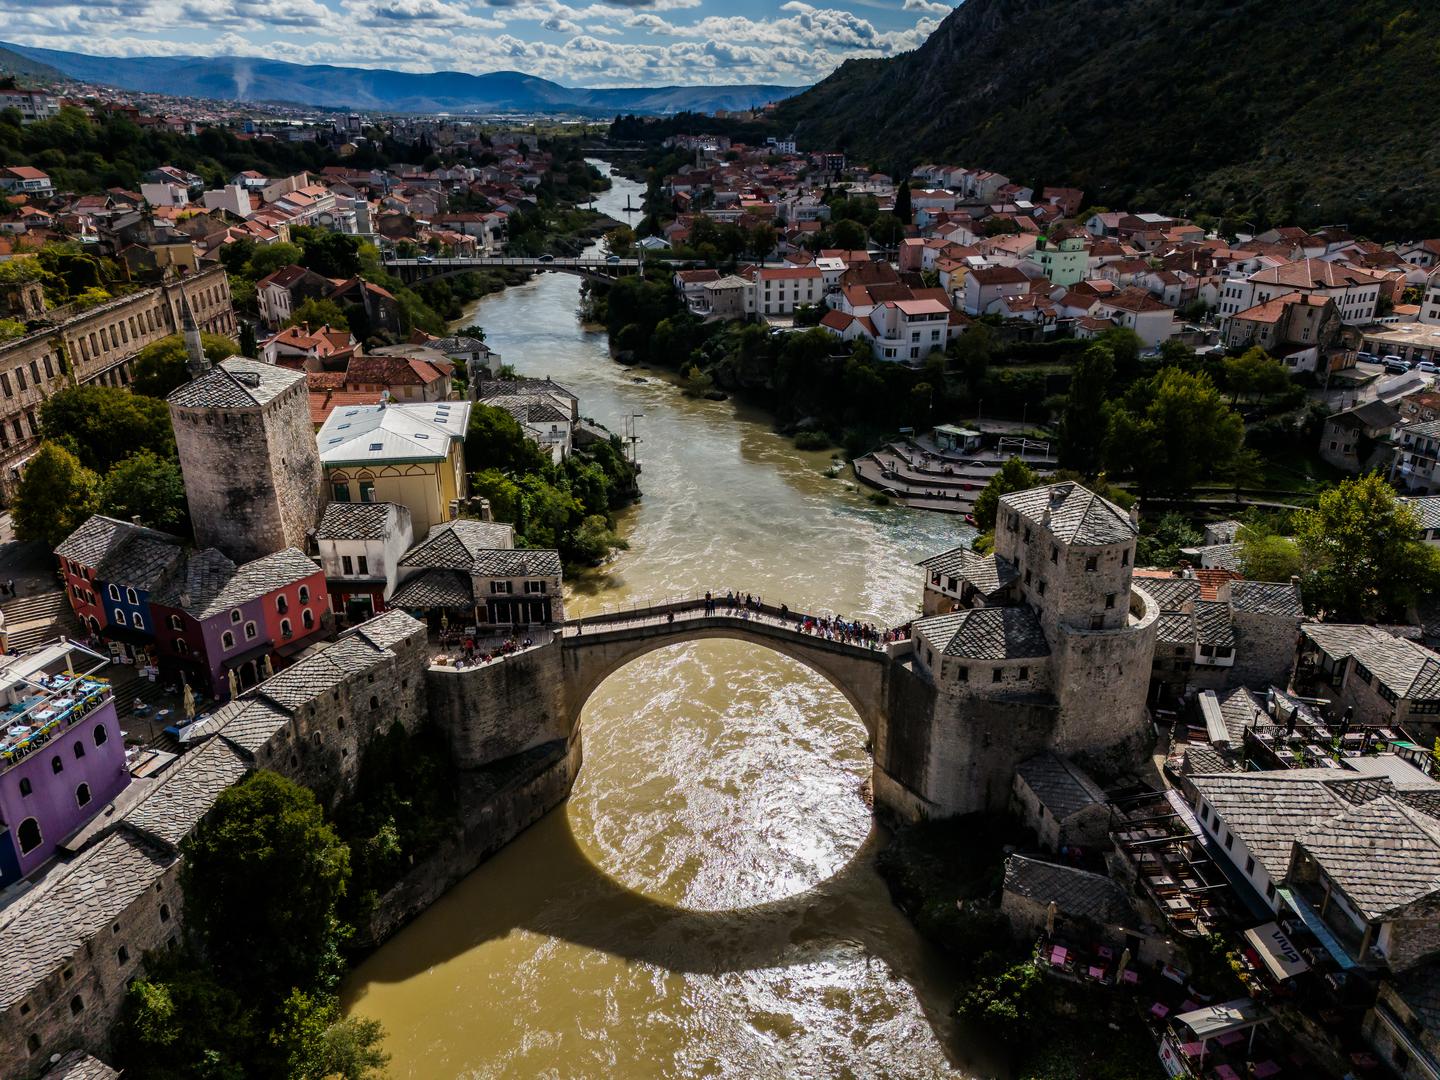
<point x="1276" y="951"/>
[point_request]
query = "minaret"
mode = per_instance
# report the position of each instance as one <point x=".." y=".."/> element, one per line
<point x="194" y="348"/>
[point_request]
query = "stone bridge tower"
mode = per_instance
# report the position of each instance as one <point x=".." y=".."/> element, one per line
<point x="247" y="450"/>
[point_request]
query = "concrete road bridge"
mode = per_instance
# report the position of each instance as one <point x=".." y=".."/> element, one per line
<point x="594" y="648"/>
<point x="429" y="268"/>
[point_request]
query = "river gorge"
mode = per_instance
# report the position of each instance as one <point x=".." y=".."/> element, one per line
<point x="720" y="818"/>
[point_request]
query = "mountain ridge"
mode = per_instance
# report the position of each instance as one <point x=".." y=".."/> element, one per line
<point x="1232" y="107"/>
<point x="383" y="89"/>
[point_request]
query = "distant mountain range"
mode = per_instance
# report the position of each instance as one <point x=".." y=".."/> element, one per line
<point x="1312" y="114"/>
<point x="233" y="78"/>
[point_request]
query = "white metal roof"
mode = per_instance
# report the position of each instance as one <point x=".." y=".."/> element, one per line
<point x="413" y="431"/>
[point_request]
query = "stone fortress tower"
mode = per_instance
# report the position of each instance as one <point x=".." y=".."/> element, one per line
<point x="1043" y="645"/>
<point x="247" y="450"/>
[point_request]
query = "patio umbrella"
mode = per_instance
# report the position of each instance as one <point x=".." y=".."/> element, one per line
<point x="234" y="685"/>
<point x="1050" y="919"/>
<point x="1124" y="963"/>
<point x="189" y="700"/>
<point x="269" y="666"/>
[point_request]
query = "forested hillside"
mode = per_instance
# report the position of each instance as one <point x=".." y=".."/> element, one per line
<point x="1314" y="114"/>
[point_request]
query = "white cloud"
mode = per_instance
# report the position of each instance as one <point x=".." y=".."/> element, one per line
<point x="928" y="7"/>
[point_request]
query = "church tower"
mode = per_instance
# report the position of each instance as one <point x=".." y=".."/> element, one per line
<point x="247" y="450"/>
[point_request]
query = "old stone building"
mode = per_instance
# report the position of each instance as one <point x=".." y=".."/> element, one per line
<point x="65" y="348"/>
<point x="247" y="449"/>
<point x="1058" y="659"/>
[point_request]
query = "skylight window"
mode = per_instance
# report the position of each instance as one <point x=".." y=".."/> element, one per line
<point x="377" y="446"/>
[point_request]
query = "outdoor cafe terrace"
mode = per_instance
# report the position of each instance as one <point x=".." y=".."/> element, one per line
<point x="42" y="694"/>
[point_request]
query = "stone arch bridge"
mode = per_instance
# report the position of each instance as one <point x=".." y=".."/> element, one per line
<point x="594" y="648"/>
<point x="431" y="268"/>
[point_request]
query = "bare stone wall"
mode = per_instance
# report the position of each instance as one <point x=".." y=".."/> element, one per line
<point x="295" y="464"/>
<point x="1264" y="649"/>
<point x="500" y="709"/>
<point x="1101" y="680"/>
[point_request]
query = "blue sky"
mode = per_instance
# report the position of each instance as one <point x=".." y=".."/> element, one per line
<point x="614" y="43"/>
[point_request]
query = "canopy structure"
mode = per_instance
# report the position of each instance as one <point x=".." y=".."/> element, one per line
<point x="1279" y="955"/>
<point x="1213" y="1021"/>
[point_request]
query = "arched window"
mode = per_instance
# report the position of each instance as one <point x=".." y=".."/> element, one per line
<point x="182" y="646"/>
<point x="175" y="622"/>
<point x="25" y="786"/>
<point x="114" y="592"/>
<point x="282" y="603"/>
<point x="285" y="629"/>
<point x="77" y="1006"/>
<point x="235" y="615"/>
<point x="101" y="735"/>
<point x="308" y="618"/>
<point x="136" y="621"/>
<point x="250" y="631"/>
<point x="82" y="794"/>
<point x="79" y="749"/>
<point x="374" y="703"/>
<point x="29" y="834"/>
<point x="164" y="912"/>
<point x="227" y="640"/>
<point x="119" y="617"/>
<point x="130" y="596"/>
<point x="56" y="765"/>
<point x="304" y="594"/>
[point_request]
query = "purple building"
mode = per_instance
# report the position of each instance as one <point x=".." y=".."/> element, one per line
<point x="62" y="758"/>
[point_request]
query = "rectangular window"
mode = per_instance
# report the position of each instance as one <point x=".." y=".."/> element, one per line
<point x="346" y="566"/>
<point x="367" y="491"/>
<point x="1054" y="554"/>
<point x="1110" y="600"/>
<point x="996" y="675"/>
<point x="35" y="372"/>
<point x="340" y="492"/>
<point x="1250" y="865"/>
<point x="5" y="384"/>
<point x="1042" y="587"/>
<point x="49" y="370"/>
<point x="20" y="378"/>
<point x="363" y="565"/>
<point x="1229" y="840"/>
<point x="1092" y="564"/>
<point x="962" y="674"/>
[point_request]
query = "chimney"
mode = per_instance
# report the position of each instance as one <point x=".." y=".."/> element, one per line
<point x="1295" y="580"/>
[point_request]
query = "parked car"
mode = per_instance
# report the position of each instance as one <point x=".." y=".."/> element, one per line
<point x="1429" y="367"/>
<point x="1396" y="367"/>
<point x="1366" y="358"/>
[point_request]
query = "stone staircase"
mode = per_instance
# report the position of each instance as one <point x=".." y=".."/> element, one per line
<point x="38" y="618"/>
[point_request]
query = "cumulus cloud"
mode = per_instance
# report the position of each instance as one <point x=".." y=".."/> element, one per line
<point x="609" y="42"/>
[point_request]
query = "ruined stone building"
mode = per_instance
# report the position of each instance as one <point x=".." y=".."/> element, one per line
<point x="68" y="347"/>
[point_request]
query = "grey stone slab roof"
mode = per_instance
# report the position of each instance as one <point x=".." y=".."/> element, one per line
<point x="457" y="545"/>
<point x="1061" y="786"/>
<point x="490" y="388"/>
<point x="1176" y="628"/>
<point x="202" y="729"/>
<point x="521" y="562"/>
<point x="1172" y="593"/>
<point x="1241" y="710"/>
<point x="1266" y="597"/>
<point x="1213" y="625"/>
<point x="236" y="383"/>
<point x="1202" y="759"/>
<point x="48" y="925"/>
<point x="1420" y="989"/>
<point x="313" y="675"/>
<point x="1221" y="556"/>
<point x="1268" y="810"/>
<point x="78" y="1065"/>
<point x="387" y="629"/>
<point x="1406" y="669"/>
<point x="140" y="561"/>
<point x="1427" y="801"/>
<point x="253" y="725"/>
<point x="98" y="536"/>
<point x="254" y="579"/>
<point x="356" y="521"/>
<point x="1428" y="509"/>
<point x="436" y="588"/>
<point x="1001" y="633"/>
<point x="989" y="574"/>
<point x="195" y="586"/>
<point x="170" y="813"/>
<point x="1382" y="854"/>
<point x="460" y="344"/>
<point x="1077" y="893"/>
<point x="1076" y="514"/>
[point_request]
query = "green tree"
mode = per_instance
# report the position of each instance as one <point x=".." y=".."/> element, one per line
<point x="248" y="345"/>
<point x="271" y="257"/>
<point x="1124" y="345"/>
<point x="1170" y="431"/>
<point x="762" y="240"/>
<point x="1006" y="1001"/>
<point x="319" y="1043"/>
<point x="1013" y="476"/>
<point x="1254" y="374"/>
<point x="1363" y="556"/>
<point x="903" y="209"/>
<point x="503" y="493"/>
<point x="594" y="540"/>
<point x="179" y="1022"/>
<point x="160" y="367"/>
<point x="621" y="242"/>
<point x="1269" y="558"/>
<point x="103" y="424"/>
<point x="330" y="254"/>
<point x="1082" y="422"/>
<point x="848" y="235"/>
<point x="495" y="440"/>
<point x="56" y="494"/>
<point x="146" y="487"/>
<point x="10" y="329"/>
<point x="316" y="312"/>
<point x="972" y="352"/>
<point x="262" y="877"/>
<point x="887" y="231"/>
<point x="1162" y="538"/>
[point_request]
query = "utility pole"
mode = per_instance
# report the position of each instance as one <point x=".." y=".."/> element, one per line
<point x="632" y="437"/>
